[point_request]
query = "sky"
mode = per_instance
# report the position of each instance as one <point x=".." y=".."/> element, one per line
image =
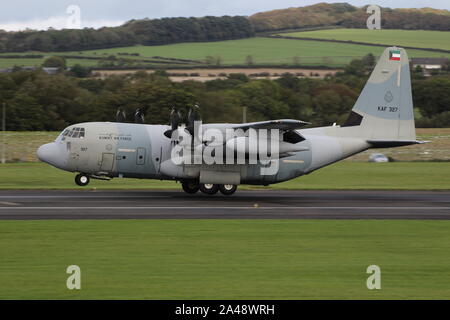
<point x="42" y="14"/>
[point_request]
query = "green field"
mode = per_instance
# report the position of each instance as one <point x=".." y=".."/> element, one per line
<point x="6" y="63"/>
<point x="344" y="175"/>
<point x="225" y="259"/>
<point x="407" y="38"/>
<point x="264" y="51"/>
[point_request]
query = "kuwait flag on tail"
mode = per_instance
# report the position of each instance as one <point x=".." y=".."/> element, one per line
<point x="394" y="55"/>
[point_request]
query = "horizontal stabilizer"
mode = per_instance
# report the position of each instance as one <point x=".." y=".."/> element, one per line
<point x="393" y="143"/>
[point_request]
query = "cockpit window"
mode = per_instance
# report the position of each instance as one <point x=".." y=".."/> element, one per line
<point x="74" y="133"/>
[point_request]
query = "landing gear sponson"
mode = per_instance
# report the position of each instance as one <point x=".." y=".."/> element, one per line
<point x="209" y="188"/>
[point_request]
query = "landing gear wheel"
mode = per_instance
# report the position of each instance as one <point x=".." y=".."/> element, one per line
<point x="190" y="187"/>
<point x="227" y="189"/>
<point x="208" y="188"/>
<point x="82" y="180"/>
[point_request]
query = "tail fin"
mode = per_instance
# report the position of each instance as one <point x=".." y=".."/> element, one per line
<point x="384" y="110"/>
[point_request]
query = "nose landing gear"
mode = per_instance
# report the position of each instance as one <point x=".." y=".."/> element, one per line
<point x="82" y="180"/>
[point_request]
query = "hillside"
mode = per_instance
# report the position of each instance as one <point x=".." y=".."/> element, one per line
<point x="152" y="32"/>
<point x="346" y="15"/>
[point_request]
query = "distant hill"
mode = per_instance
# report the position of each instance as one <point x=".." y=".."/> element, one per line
<point x="206" y="29"/>
<point x="346" y="15"/>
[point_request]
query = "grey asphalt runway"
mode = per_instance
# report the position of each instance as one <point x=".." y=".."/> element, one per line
<point x="262" y="204"/>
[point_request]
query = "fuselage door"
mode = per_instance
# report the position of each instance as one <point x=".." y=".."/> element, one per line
<point x="140" y="156"/>
<point x="107" y="162"/>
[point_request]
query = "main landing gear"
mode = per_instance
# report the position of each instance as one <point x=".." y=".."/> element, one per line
<point x="227" y="189"/>
<point x="82" y="180"/>
<point x="191" y="187"/>
<point x="209" y="188"/>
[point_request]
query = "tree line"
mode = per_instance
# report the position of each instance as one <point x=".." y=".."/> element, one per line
<point x="38" y="101"/>
<point x="134" y="32"/>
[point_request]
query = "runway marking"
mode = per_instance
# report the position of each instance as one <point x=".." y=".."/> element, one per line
<point x="225" y="208"/>
<point x="86" y="196"/>
<point x="9" y="203"/>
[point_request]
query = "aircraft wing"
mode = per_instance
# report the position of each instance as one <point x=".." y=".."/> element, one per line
<point x="286" y="124"/>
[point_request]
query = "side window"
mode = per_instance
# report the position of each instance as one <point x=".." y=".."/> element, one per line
<point x="82" y="133"/>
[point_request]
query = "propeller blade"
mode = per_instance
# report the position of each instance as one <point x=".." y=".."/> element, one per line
<point x="120" y="115"/>
<point x="193" y="115"/>
<point x="139" y="117"/>
<point x="175" y="119"/>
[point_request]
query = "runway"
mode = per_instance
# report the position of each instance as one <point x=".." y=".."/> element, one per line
<point x="261" y="204"/>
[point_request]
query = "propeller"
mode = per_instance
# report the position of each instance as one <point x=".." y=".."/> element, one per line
<point x="120" y="115"/>
<point x="175" y="119"/>
<point x="193" y="115"/>
<point x="139" y="116"/>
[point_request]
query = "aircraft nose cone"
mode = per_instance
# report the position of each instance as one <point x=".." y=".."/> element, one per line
<point x="51" y="154"/>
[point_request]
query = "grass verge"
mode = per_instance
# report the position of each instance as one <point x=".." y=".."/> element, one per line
<point x="225" y="259"/>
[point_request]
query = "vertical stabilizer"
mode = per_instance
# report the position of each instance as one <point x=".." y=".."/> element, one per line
<point x="384" y="110"/>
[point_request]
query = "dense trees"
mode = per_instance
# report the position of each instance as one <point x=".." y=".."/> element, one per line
<point x="145" y="32"/>
<point x="55" y="62"/>
<point x="38" y="101"/>
<point x="171" y="30"/>
<point x="433" y="97"/>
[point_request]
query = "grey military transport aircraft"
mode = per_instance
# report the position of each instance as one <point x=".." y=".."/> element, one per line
<point x="381" y="118"/>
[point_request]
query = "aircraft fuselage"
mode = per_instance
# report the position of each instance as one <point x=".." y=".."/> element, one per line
<point x="127" y="150"/>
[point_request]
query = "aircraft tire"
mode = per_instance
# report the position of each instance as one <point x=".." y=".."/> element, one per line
<point x="82" y="180"/>
<point x="190" y="187"/>
<point x="227" y="189"/>
<point x="209" y="189"/>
